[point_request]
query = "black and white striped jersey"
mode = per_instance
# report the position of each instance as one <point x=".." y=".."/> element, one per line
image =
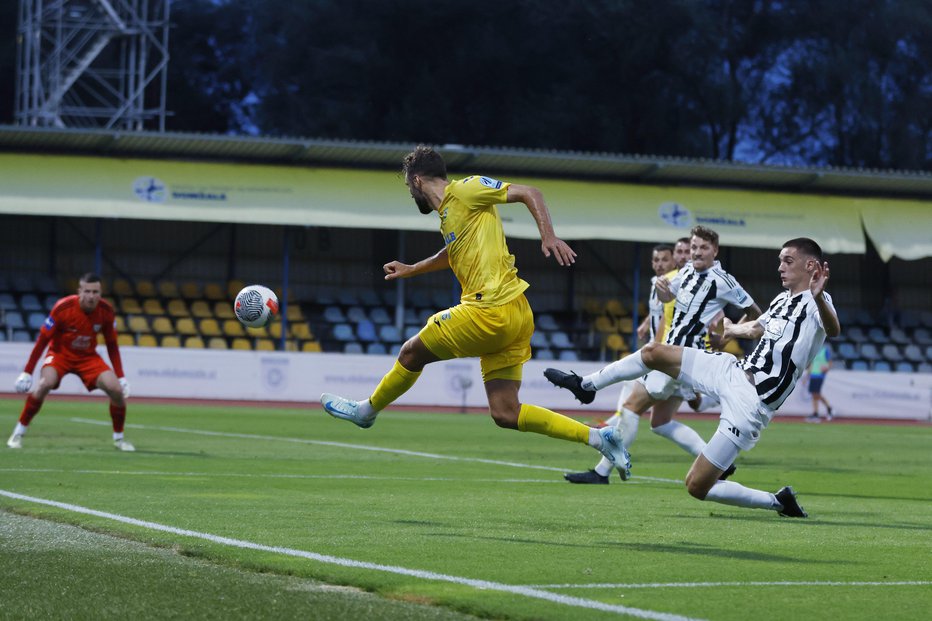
<point x="699" y="297"/>
<point x="793" y="335"/>
<point x="654" y="309"/>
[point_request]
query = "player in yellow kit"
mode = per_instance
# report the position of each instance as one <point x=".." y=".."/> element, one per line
<point x="493" y="320"/>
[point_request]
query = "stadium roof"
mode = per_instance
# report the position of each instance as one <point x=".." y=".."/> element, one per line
<point x="307" y="152"/>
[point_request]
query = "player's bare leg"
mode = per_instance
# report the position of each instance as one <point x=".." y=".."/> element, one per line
<point x="412" y="359"/>
<point x="108" y="382"/>
<point x="48" y="379"/>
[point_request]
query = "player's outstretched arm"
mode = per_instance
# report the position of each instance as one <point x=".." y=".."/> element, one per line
<point x="397" y="269"/>
<point x="817" y="281"/>
<point x="746" y="330"/>
<point x="549" y="242"/>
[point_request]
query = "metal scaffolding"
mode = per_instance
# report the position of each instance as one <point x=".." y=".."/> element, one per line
<point x="92" y="63"/>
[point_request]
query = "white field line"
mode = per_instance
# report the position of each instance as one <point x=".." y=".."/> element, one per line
<point x="484" y="585"/>
<point x="237" y="475"/>
<point x="692" y="585"/>
<point x="359" y="447"/>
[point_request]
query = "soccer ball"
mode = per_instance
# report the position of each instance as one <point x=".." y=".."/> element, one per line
<point x="256" y="306"/>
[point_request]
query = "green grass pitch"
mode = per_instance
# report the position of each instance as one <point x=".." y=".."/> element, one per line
<point x="244" y="512"/>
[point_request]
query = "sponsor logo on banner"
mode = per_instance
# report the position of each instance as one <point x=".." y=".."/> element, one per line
<point x="149" y="189"/>
<point x="676" y="215"/>
<point x="459" y="380"/>
<point x="274" y="374"/>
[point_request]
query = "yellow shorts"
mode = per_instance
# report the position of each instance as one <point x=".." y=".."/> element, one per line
<point x="499" y="335"/>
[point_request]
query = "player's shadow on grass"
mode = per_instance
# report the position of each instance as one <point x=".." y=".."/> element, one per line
<point x="679" y="548"/>
<point x="814" y="521"/>
<point x="868" y="496"/>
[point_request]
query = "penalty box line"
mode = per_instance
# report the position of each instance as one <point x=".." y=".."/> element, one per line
<point x="359" y="447"/>
<point x="483" y="585"/>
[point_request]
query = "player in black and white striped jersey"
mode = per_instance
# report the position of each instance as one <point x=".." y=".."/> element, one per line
<point x="792" y="331"/>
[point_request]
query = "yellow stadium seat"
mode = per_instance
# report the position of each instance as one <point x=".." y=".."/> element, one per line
<point x="162" y="325"/>
<point x="292" y="346"/>
<point x="592" y="306"/>
<point x="177" y="308"/>
<point x="275" y="330"/>
<point x="626" y="324"/>
<point x="224" y="310"/>
<point x="217" y="342"/>
<point x="145" y="289"/>
<point x="294" y="313"/>
<point x="605" y="324"/>
<point x="301" y="330"/>
<point x="122" y="288"/>
<point x="642" y="309"/>
<point x="200" y="308"/>
<point x="138" y="324"/>
<point x="186" y="327"/>
<point x="616" y="343"/>
<point x="258" y="333"/>
<point x="190" y="290"/>
<point x="615" y="308"/>
<point x="210" y="327"/>
<point x="119" y="323"/>
<point x="151" y="306"/>
<point x="168" y="289"/>
<point x="241" y="343"/>
<point x="232" y="327"/>
<point x="194" y="342"/>
<point x="147" y="340"/>
<point x="265" y="345"/>
<point x="171" y="341"/>
<point x="233" y="287"/>
<point x="214" y="292"/>
<point x="125" y="339"/>
<point x="130" y="306"/>
<point x="310" y="346"/>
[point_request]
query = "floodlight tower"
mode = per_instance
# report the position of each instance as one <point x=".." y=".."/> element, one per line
<point x="92" y="63"/>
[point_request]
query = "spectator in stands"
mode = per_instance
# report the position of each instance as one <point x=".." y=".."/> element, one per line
<point x="792" y="331"/>
<point x="695" y="297"/>
<point x="70" y="332"/>
<point x="493" y="319"/>
<point x="817" y="372"/>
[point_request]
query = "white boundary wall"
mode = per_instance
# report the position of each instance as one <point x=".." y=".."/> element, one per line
<point x="273" y="376"/>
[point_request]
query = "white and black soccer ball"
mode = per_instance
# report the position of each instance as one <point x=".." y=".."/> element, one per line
<point x="256" y="306"/>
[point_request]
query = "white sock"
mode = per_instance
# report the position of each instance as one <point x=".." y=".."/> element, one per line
<point x="681" y="435"/>
<point x="731" y="493"/>
<point x="595" y="440"/>
<point x="604" y="467"/>
<point x="20" y="429"/>
<point x="365" y="409"/>
<point x="628" y="368"/>
<point x="613" y="420"/>
<point x="629" y="427"/>
<point x="117" y="435"/>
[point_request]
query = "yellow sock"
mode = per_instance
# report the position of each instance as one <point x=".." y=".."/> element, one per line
<point x="395" y="383"/>
<point x="541" y="420"/>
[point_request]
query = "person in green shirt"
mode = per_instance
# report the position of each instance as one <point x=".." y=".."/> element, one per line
<point x="817" y="372"/>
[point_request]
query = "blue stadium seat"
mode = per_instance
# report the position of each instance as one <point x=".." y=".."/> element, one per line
<point x="847" y="351"/>
<point x="891" y="352"/>
<point x="13" y="319"/>
<point x="922" y="336"/>
<point x="568" y="355"/>
<point x="881" y="365"/>
<point x="899" y="336"/>
<point x="347" y="297"/>
<point x="856" y="334"/>
<point x="376" y="348"/>
<point x="2" y="335"/>
<point x="21" y="336"/>
<point x="418" y="298"/>
<point x="925" y="317"/>
<point x="560" y="340"/>
<point x="379" y="316"/>
<point x="394" y="349"/>
<point x="22" y="283"/>
<point x="355" y="314"/>
<point x="543" y="354"/>
<point x="913" y="353"/>
<point x="343" y="332"/>
<point x="368" y="297"/>
<point x="424" y="316"/>
<point x="909" y="319"/>
<point x="353" y="348"/>
<point x="365" y="331"/>
<point x="869" y="351"/>
<point x="389" y="334"/>
<point x="903" y="367"/>
<point x="546" y="322"/>
<point x="928" y="353"/>
<point x="333" y="314"/>
<point x="36" y="320"/>
<point x="29" y="302"/>
<point x="539" y="339"/>
<point x="390" y="296"/>
<point x="863" y="318"/>
<point x="877" y="335"/>
<point x="47" y="285"/>
<point x="325" y="296"/>
<point x="411" y="331"/>
<point x="50" y="301"/>
<point x="410" y="317"/>
<point x="443" y="298"/>
<point x="924" y="367"/>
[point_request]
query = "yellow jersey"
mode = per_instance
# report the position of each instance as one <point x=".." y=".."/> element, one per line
<point x="475" y="241"/>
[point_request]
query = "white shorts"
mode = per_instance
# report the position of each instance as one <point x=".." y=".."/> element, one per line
<point x="717" y="374"/>
<point x="721" y="451"/>
<point x="661" y="386"/>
